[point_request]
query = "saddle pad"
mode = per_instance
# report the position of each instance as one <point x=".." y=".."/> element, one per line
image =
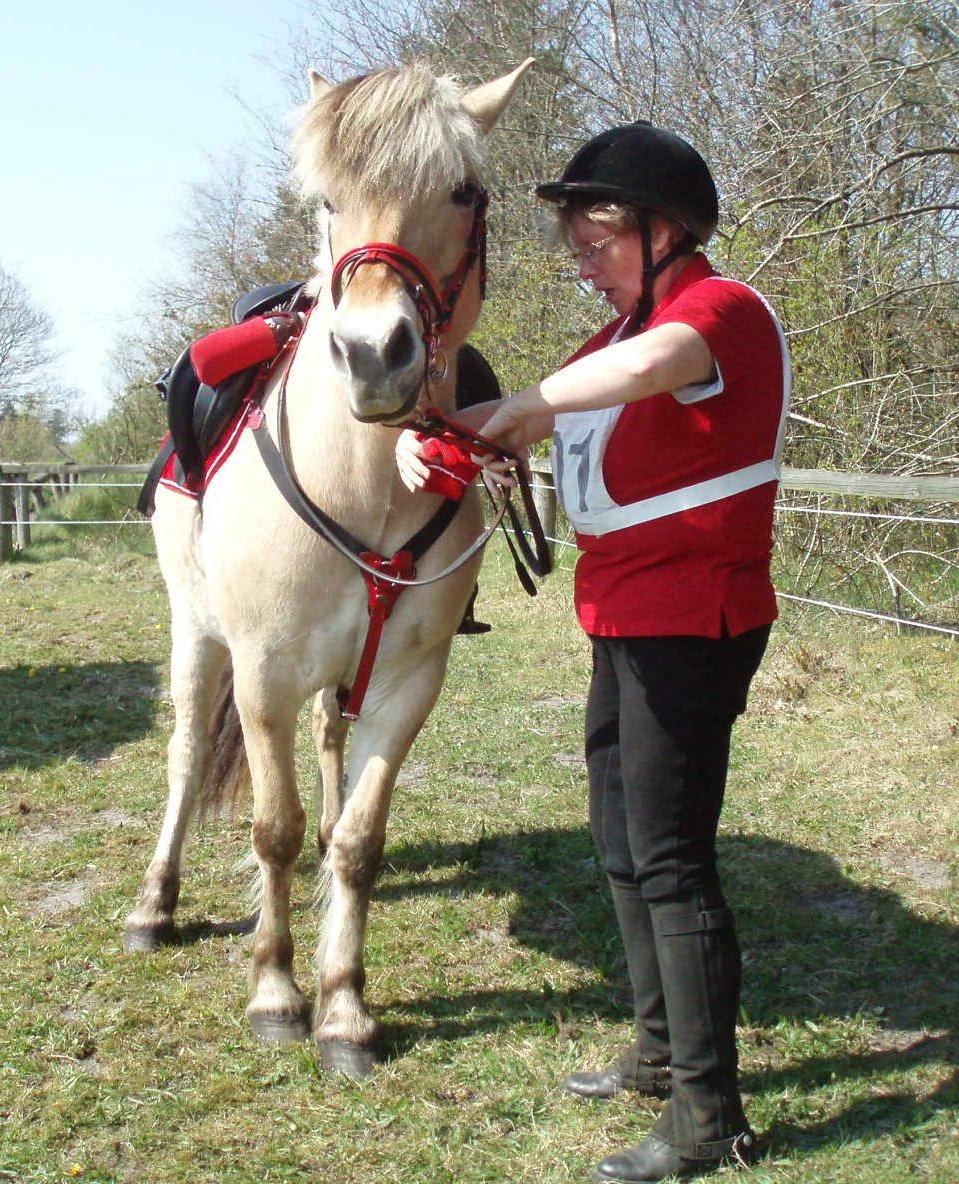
<point x="172" y="475"/>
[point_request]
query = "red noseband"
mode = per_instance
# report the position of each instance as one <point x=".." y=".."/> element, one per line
<point x="435" y="306"/>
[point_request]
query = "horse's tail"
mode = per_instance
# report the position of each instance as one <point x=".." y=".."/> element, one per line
<point x="227" y="777"/>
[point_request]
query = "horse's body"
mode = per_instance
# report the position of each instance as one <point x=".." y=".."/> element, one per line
<point x="254" y="589"/>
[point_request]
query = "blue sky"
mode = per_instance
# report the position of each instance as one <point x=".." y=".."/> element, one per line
<point x="109" y="111"/>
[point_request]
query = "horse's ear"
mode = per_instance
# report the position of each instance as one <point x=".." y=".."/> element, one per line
<point x="318" y="85"/>
<point x="487" y="103"/>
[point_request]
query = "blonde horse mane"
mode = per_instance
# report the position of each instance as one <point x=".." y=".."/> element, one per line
<point x="395" y="133"/>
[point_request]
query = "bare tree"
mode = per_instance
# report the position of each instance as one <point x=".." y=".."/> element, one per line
<point x="25" y="352"/>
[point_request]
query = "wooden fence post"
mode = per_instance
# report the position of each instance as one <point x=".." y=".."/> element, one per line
<point x="39" y="494"/>
<point x="23" y="510"/>
<point x="6" y="517"/>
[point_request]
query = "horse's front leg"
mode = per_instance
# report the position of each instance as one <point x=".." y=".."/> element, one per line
<point x="196" y="664"/>
<point x="395" y="709"/>
<point x="329" y="733"/>
<point x="278" y="1010"/>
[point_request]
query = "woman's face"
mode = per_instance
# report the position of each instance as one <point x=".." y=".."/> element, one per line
<point x="612" y="262"/>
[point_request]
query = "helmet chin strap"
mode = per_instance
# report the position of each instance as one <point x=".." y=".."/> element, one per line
<point x="651" y="271"/>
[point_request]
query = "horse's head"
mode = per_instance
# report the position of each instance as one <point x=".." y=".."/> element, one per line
<point x="395" y="159"/>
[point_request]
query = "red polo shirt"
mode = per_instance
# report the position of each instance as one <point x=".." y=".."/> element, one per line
<point x="700" y="570"/>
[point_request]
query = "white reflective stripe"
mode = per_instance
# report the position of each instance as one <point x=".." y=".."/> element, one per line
<point x="688" y="498"/>
<point x="581" y="440"/>
<point x="697" y="391"/>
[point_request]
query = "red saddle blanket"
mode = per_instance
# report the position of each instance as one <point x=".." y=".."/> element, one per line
<point x="172" y="475"/>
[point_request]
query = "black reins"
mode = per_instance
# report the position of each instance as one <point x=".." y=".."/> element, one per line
<point x="279" y="465"/>
<point x="536" y="559"/>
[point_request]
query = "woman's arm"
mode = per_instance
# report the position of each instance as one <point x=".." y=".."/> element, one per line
<point x="667" y="358"/>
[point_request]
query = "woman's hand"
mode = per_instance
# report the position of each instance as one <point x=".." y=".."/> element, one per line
<point x="497" y="474"/>
<point x="507" y="427"/>
<point x="519" y="421"/>
<point x="409" y="460"/>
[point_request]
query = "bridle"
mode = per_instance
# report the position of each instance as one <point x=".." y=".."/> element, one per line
<point x="434" y="305"/>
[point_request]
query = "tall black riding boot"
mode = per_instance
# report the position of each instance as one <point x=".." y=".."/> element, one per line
<point x="644" y="1065"/>
<point x="703" y="1126"/>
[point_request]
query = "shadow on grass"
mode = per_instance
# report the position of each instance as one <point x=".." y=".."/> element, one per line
<point x="817" y="946"/>
<point x="197" y="931"/>
<point x="871" y="1117"/>
<point x="52" y="713"/>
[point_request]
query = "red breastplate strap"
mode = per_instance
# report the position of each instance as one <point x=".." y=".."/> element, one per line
<point x="382" y="596"/>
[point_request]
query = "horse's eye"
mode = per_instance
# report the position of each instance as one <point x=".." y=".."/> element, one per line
<point x="466" y="194"/>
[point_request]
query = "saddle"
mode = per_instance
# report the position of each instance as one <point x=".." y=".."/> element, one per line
<point x="206" y="385"/>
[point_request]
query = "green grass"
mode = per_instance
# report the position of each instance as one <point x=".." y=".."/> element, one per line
<point x="492" y="955"/>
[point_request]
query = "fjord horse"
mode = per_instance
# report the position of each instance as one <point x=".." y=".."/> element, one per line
<point x="258" y="599"/>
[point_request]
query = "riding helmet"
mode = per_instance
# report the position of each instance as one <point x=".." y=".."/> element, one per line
<point x="646" y="167"/>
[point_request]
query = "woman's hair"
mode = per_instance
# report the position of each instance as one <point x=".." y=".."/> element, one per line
<point x="616" y="217"/>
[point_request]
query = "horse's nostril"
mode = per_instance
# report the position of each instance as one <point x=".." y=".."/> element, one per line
<point x="399" y="348"/>
<point x="339" y="351"/>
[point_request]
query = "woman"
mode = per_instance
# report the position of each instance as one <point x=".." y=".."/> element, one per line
<point x="666" y="431"/>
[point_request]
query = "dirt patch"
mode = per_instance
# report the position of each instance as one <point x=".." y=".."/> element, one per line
<point x="415" y="772"/>
<point x="113" y="817"/>
<point x="480" y="777"/>
<point x="848" y="907"/>
<point x="43" y="836"/>
<point x="79" y="1010"/>
<point x="44" y="829"/>
<point x="904" y="1040"/>
<point x="559" y="701"/>
<point x="66" y="826"/>
<point x="926" y="873"/>
<point x="58" y="899"/>
<point x="493" y="934"/>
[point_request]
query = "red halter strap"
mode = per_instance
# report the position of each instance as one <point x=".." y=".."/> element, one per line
<point x="435" y="306"/>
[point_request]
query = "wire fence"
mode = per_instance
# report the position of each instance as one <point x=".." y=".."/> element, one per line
<point x="73" y="484"/>
<point x="544" y="488"/>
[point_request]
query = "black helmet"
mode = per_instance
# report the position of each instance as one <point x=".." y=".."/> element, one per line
<point x="643" y="166"/>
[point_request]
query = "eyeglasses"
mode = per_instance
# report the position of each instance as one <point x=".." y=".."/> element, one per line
<point x="588" y="253"/>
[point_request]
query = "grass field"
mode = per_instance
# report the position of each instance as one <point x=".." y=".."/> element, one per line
<point x="492" y="955"/>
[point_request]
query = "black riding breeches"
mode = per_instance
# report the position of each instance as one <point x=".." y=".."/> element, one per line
<point x="658" y="724"/>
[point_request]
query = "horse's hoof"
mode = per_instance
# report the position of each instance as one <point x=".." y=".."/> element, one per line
<point x="143" y="939"/>
<point x="352" y="1060"/>
<point x="277" y="1028"/>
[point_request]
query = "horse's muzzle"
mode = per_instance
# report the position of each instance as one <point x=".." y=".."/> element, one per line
<point x="382" y="366"/>
<point x="365" y="410"/>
